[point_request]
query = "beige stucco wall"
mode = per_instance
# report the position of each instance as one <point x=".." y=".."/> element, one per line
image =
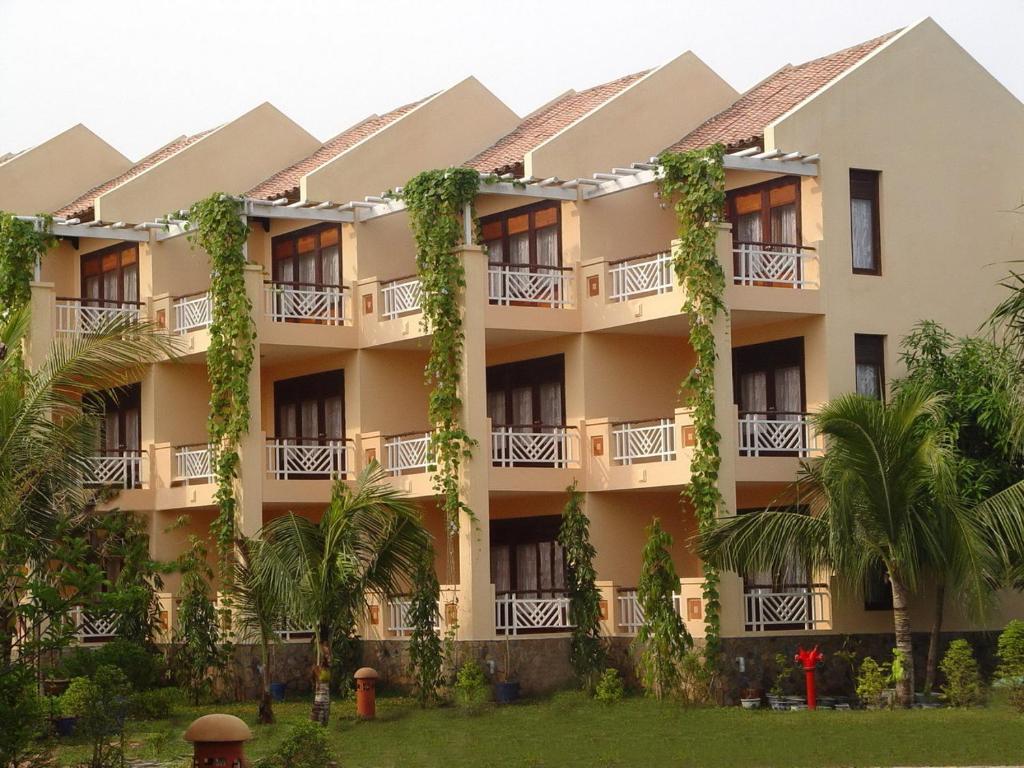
<point x="45" y="177"/>
<point x="639" y="122"/>
<point x="232" y="159"/>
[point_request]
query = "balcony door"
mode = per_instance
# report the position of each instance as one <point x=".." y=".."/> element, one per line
<point x="310" y="257"/>
<point x="528" y="238"/>
<point x="526" y="557"/>
<point x="768" y="383"/>
<point x="310" y="410"/>
<point x="111" y="276"/>
<point x="765" y="220"/>
<point x="528" y="395"/>
<point x="121" y="425"/>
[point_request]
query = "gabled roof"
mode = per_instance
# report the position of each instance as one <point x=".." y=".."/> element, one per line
<point x="508" y="153"/>
<point x="285" y="183"/>
<point x="82" y="206"/>
<point x="742" y="124"/>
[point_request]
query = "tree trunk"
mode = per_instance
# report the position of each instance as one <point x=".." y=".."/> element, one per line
<point x="321" y="712"/>
<point x="933" y="641"/>
<point x="265" y="716"/>
<point x="901" y="624"/>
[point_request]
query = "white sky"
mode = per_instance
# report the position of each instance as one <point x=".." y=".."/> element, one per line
<point x="141" y="72"/>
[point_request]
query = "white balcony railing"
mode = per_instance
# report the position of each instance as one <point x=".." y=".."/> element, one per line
<point x="792" y="607"/>
<point x="118" y="468"/>
<point x="641" y="276"/>
<point x="400" y="297"/>
<point x="776" y="434"/>
<point x="407" y="454"/>
<point x="631" y="615"/>
<point x="290" y="458"/>
<point x="398" y="620"/>
<point x="533" y="446"/>
<point x="530" y="612"/>
<point x="775" y="265"/>
<point x="538" y="286"/>
<point x="93" y="627"/>
<point x="289" y="630"/>
<point x="192" y="313"/>
<point x="306" y="303"/>
<point x="192" y="465"/>
<point x="88" y="315"/>
<point x="644" y="441"/>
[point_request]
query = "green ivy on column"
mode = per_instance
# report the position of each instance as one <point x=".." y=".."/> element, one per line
<point x="436" y="201"/>
<point x="694" y="182"/>
<point x="218" y="227"/>
<point x="21" y="245"/>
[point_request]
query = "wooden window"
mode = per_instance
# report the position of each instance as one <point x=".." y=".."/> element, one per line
<point x="530" y="393"/>
<point x="310" y="256"/>
<point x="769" y="378"/>
<point x="526" y="557"/>
<point x="529" y="237"/>
<point x="869" y="362"/>
<point x="111" y="275"/>
<point x="310" y="409"/>
<point x="865" y="224"/>
<point x="121" y="427"/>
<point x="766" y="214"/>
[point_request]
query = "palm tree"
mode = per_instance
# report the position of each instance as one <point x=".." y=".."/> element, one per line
<point x="369" y="540"/>
<point x="257" y="609"/>
<point x="876" y="495"/>
<point x="48" y="432"/>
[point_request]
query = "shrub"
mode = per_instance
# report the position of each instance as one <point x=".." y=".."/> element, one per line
<point x="609" y="688"/>
<point x="963" y="686"/>
<point x="870" y="682"/>
<point x="101" y="705"/>
<point x="1010" y="651"/>
<point x="783" y="675"/>
<point x="471" y="689"/>
<point x="143" y="668"/>
<point x="305" y="746"/>
<point x="156" y="704"/>
<point x="21" y="713"/>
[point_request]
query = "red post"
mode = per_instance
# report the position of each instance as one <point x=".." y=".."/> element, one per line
<point x="366" y="693"/>
<point x="809" y="660"/>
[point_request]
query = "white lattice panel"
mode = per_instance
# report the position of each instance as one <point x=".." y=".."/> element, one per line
<point x="407" y="453"/>
<point x="644" y="441"/>
<point x="121" y="470"/>
<point x="776" y="265"/>
<point x="74" y="316"/>
<point x="192" y="313"/>
<point x="513" y="447"/>
<point x="192" y="464"/>
<point x="514" y="614"/>
<point x="324" y="304"/>
<point x="790" y="434"/>
<point x="401" y="297"/>
<point x="799" y="607"/>
<point x="289" y="459"/>
<point x="641" y="277"/>
<point x="546" y="287"/>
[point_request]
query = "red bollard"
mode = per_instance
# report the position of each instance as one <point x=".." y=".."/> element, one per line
<point x="809" y="660"/>
<point x="366" y="693"/>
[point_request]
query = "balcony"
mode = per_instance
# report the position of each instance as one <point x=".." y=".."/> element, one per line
<point x="629" y="615"/>
<point x="78" y="316"/>
<point x="531" y="612"/>
<point x="399" y="298"/>
<point x="407" y="453"/>
<point x="193" y="465"/>
<point x="290" y="458"/>
<point x="534" y="445"/>
<point x="307" y="303"/>
<point x="515" y="285"/>
<point x="786" y="608"/>
<point x="775" y="265"/>
<point x="117" y="468"/>
<point x="639" y="276"/>
<point x="193" y="312"/>
<point x="93" y="627"/>
<point x="776" y="434"/>
<point x="635" y="442"/>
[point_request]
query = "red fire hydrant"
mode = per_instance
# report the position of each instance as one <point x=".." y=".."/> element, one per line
<point x="809" y="660"/>
<point x="366" y="693"/>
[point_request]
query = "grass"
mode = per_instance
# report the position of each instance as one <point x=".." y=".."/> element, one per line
<point x="571" y="730"/>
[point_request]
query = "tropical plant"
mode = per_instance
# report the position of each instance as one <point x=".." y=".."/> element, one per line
<point x="870" y="682"/>
<point x="257" y="610"/>
<point x="21" y="713"/>
<point x="48" y="433"/>
<point x="101" y="704"/>
<point x="963" y="687"/>
<point x="886" y="471"/>
<point x="196" y="643"/>
<point x="1010" y="650"/>
<point x="425" y="652"/>
<point x="662" y="639"/>
<point x="586" y="649"/>
<point x="367" y="540"/>
<point x="609" y="688"/>
<point x="471" y="691"/>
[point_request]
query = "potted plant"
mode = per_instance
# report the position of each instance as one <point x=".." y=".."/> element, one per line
<point x="60" y="717"/>
<point x="506" y="690"/>
<point x="777" y="698"/>
<point x="750" y="698"/>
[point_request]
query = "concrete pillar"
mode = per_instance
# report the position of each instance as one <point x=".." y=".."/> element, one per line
<point x="251" y="471"/>
<point x="42" y="325"/>
<point x="476" y="593"/>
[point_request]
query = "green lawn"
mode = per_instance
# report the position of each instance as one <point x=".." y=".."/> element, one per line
<point x="570" y="730"/>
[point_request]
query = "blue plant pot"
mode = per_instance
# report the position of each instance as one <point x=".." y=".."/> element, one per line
<point x="64" y="726"/>
<point x="277" y="691"/>
<point x="506" y="693"/>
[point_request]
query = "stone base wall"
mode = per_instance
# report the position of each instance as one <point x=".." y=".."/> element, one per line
<point x="836" y="676"/>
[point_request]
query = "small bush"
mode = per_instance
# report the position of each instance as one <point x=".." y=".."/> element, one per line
<point x="963" y="686"/>
<point x="870" y="682"/>
<point x="471" y="688"/>
<point x="142" y="668"/>
<point x="101" y="705"/>
<point x="1010" y="651"/>
<point x="156" y="704"/>
<point x="609" y="687"/>
<point x="21" y="713"/>
<point x="305" y="746"/>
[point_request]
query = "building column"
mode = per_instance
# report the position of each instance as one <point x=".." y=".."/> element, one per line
<point x="42" y="324"/>
<point x="251" y="470"/>
<point x="476" y="593"/>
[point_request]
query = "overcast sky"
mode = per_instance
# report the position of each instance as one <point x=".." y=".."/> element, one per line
<point x="140" y="73"/>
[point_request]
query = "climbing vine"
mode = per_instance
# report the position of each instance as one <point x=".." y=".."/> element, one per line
<point x="694" y="182"/>
<point x="21" y="244"/>
<point x="436" y="201"/>
<point x="217" y="227"/>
